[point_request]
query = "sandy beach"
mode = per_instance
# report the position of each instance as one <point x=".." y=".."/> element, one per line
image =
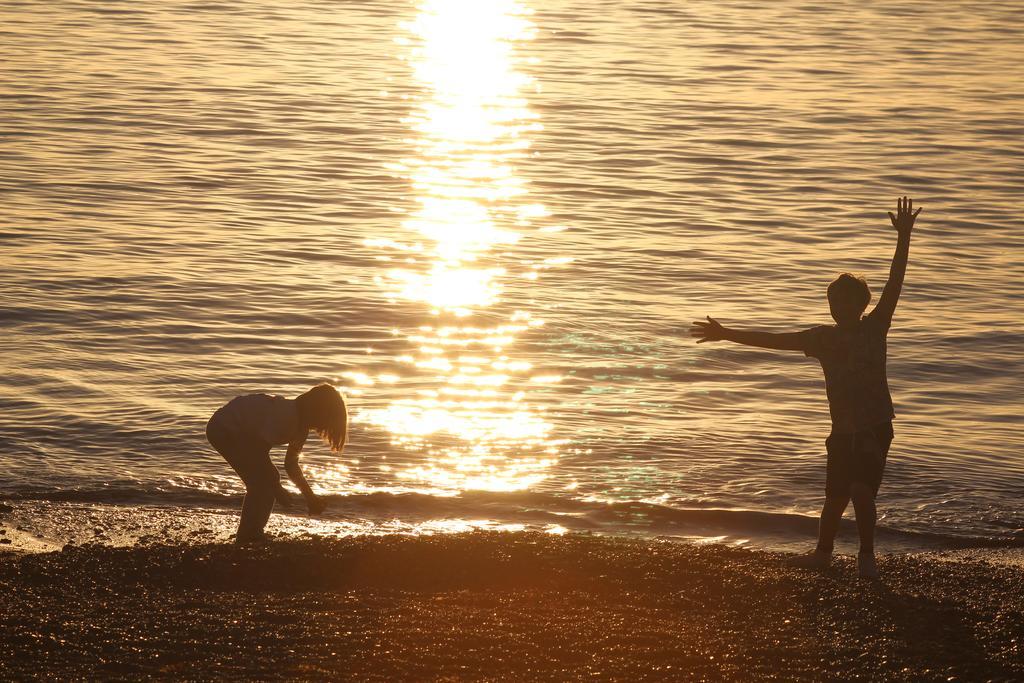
<point x="499" y="606"/>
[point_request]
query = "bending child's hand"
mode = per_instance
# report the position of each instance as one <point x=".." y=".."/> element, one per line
<point x="707" y="331"/>
<point x="905" y="216"/>
<point x="316" y="504"/>
<point x="283" y="497"/>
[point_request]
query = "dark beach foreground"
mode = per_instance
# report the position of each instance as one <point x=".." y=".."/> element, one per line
<point x="500" y="606"/>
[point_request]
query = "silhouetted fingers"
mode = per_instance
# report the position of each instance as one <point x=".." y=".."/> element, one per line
<point x="918" y="211"/>
<point x="892" y="218"/>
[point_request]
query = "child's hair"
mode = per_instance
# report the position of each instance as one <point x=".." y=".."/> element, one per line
<point x="849" y="291"/>
<point x="324" y="410"/>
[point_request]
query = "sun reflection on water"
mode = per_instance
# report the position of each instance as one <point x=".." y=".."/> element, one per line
<point x="472" y="421"/>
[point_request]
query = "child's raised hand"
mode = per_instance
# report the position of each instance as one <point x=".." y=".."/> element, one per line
<point x="707" y="331"/>
<point x="905" y="216"/>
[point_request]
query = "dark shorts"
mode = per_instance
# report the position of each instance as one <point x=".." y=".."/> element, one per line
<point x="248" y="456"/>
<point x="858" y="457"/>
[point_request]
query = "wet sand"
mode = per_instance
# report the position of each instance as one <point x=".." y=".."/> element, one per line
<point x="499" y="606"/>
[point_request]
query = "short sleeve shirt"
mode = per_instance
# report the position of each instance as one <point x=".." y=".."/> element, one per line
<point x="272" y="419"/>
<point x="853" y="359"/>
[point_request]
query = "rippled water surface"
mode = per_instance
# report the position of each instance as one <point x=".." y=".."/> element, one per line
<point x="492" y="223"/>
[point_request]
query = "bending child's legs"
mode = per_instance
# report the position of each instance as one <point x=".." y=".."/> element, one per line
<point x="250" y="459"/>
<point x="256" y="509"/>
<point x="261" y="484"/>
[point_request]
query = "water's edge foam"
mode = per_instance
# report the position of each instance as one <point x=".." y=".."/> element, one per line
<point x="385" y="512"/>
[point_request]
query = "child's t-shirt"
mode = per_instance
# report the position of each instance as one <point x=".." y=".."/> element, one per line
<point x="853" y="359"/>
<point x="273" y="419"/>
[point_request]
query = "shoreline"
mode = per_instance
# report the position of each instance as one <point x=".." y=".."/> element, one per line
<point x="500" y="606"/>
<point x="43" y="525"/>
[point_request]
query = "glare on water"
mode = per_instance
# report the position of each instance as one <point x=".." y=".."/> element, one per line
<point x="474" y="422"/>
<point x="194" y="212"/>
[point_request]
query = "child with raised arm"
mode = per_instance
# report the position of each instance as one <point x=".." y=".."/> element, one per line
<point x="245" y="429"/>
<point x="852" y="355"/>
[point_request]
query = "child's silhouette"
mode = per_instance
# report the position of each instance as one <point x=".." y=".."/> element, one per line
<point x="852" y="354"/>
<point x="245" y="429"/>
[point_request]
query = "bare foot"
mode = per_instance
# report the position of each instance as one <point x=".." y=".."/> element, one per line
<point x="812" y="560"/>
<point x="867" y="568"/>
<point x="260" y="539"/>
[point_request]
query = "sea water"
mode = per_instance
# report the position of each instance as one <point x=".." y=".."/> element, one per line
<point x="491" y="224"/>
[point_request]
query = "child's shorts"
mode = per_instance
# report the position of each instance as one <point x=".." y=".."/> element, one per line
<point x="858" y="457"/>
<point x="247" y="455"/>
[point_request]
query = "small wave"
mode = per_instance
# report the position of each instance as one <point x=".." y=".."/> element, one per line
<point x="121" y="494"/>
<point x="539" y="509"/>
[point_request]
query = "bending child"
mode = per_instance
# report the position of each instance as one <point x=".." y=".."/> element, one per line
<point x="852" y="355"/>
<point x="245" y="429"/>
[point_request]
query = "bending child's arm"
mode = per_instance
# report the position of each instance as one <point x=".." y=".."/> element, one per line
<point x="903" y="221"/>
<point x="291" y="465"/>
<point x="713" y="331"/>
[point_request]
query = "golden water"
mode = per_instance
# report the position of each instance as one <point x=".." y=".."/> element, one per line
<point x="491" y="223"/>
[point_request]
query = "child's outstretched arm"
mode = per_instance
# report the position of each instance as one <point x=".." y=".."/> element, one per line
<point x="291" y="466"/>
<point x="713" y="331"/>
<point x="903" y="221"/>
